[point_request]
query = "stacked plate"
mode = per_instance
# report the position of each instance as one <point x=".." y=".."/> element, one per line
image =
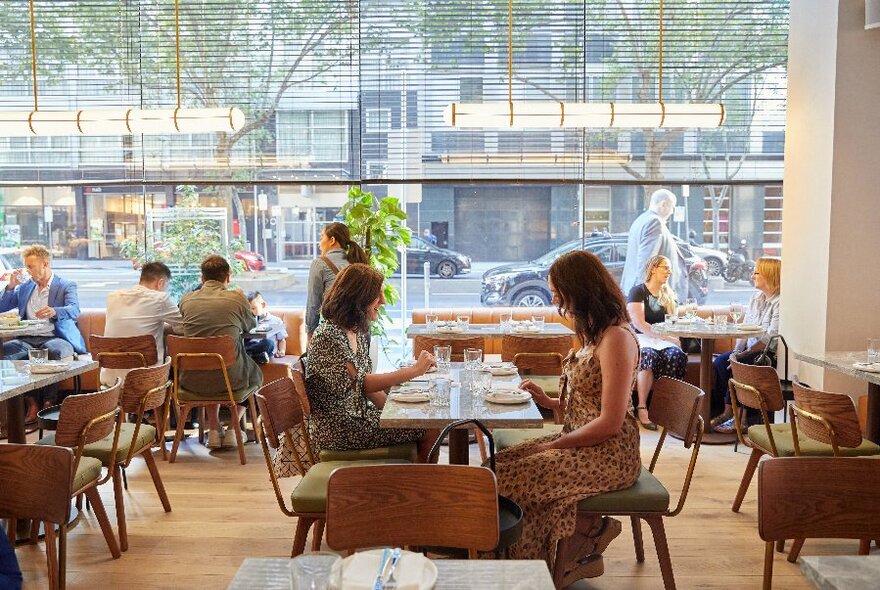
<point x="500" y="369"/>
<point x="507" y="393"/>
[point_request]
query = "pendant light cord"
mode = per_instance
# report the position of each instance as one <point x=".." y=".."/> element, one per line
<point x="176" y="46"/>
<point x="660" y="58"/>
<point x="34" y="53"/>
<point x="510" y="58"/>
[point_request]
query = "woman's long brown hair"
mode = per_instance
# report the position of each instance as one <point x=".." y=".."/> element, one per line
<point x="588" y="293"/>
<point x="356" y="287"/>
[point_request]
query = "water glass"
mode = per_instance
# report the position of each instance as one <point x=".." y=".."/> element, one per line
<point x="874" y="350"/>
<point x="505" y="320"/>
<point x="443" y="357"/>
<point x="312" y="571"/>
<point x="38" y="355"/>
<point x="720" y="320"/>
<point x="440" y="392"/>
<point x="463" y="322"/>
<point x="483" y="381"/>
<point x="473" y="358"/>
<point x="431" y="321"/>
<point x="538" y="322"/>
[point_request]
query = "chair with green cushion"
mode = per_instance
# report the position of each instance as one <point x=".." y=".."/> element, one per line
<point x="215" y="353"/>
<point x="86" y="419"/>
<point x="287" y="449"/>
<point x="143" y="390"/>
<point x="675" y="408"/>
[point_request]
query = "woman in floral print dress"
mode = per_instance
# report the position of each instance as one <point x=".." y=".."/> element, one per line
<point x="346" y="396"/>
<point x="598" y="448"/>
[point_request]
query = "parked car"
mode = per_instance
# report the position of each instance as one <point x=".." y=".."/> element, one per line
<point x="445" y="263"/>
<point x="716" y="260"/>
<point x="252" y="260"/>
<point x="525" y="283"/>
<point x="10" y="261"/>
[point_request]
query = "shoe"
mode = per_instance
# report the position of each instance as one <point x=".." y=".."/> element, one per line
<point x="646" y="425"/>
<point x="229" y="438"/>
<point x="261" y="358"/>
<point x="727" y="427"/>
<point x="720" y="419"/>
<point x="215" y="439"/>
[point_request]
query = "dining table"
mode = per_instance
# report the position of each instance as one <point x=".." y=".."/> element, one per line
<point x="464" y="401"/>
<point x="707" y="333"/>
<point x="447" y="330"/>
<point x="842" y="572"/>
<point x="452" y="574"/>
<point x="845" y="362"/>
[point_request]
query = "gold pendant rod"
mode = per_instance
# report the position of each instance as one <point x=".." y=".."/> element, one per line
<point x="177" y="45"/>
<point x="34" y="53"/>
<point x="510" y="58"/>
<point x="660" y="59"/>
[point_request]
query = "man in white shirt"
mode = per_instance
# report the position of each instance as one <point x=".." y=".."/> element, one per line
<point x="143" y="309"/>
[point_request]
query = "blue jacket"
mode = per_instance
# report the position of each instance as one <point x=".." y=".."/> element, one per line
<point x="62" y="298"/>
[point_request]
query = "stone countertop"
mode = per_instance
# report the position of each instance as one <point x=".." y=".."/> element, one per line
<point x="841" y="361"/>
<point x="15" y="379"/>
<point x="474" y="329"/>
<point x="843" y="572"/>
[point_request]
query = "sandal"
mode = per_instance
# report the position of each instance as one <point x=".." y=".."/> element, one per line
<point x="720" y="419"/>
<point x="727" y="427"/>
<point x="646" y="425"/>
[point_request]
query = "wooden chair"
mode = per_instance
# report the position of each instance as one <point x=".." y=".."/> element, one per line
<point x="124" y="353"/>
<point x="536" y="356"/>
<point x="86" y="419"/>
<point x="281" y="414"/>
<point x="214" y="353"/>
<point x="509" y="437"/>
<point x="144" y="389"/>
<point x="816" y="498"/>
<point x="675" y="408"/>
<point x="43" y="477"/>
<point x="458" y="345"/>
<point x="830" y="419"/>
<point x="422" y="505"/>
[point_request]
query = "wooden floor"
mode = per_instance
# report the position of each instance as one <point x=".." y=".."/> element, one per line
<point x="224" y="512"/>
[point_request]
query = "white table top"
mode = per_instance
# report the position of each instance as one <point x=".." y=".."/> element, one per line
<point x="464" y="402"/>
<point x="841" y="361"/>
<point x="842" y="572"/>
<point x="706" y="331"/>
<point x="15" y="379"/>
<point x="452" y="574"/>
<point x="550" y="329"/>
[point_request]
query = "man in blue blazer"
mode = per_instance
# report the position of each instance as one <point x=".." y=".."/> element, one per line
<point x="44" y="296"/>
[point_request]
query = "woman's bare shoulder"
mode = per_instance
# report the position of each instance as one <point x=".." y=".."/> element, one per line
<point x="616" y="339"/>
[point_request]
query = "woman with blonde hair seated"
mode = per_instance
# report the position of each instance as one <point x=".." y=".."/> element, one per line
<point x="764" y="312"/>
<point x="660" y="354"/>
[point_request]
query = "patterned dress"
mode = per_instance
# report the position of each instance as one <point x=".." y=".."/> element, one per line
<point x="548" y="485"/>
<point x="342" y="416"/>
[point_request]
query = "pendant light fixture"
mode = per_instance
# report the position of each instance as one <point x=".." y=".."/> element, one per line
<point x="122" y="121"/>
<point x="546" y="114"/>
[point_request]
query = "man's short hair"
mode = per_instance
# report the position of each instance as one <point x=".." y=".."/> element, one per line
<point x="215" y="268"/>
<point x="661" y="196"/>
<point x="253" y="295"/>
<point x="37" y="250"/>
<point x="153" y="271"/>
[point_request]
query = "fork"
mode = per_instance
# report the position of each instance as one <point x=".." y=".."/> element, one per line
<point x="390" y="582"/>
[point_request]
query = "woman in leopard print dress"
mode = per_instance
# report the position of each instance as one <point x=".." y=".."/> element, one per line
<point x="598" y="449"/>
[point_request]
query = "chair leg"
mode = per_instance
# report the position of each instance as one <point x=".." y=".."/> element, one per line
<point x="35" y="532"/>
<point x="317" y="534"/>
<point x="795" y="550"/>
<point x="252" y="406"/>
<point x="637" y="538"/>
<point x="51" y="557"/>
<point x="659" y="532"/>
<point x="299" y="537"/>
<point x="119" y="497"/>
<point x="178" y="434"/>
<point x="62" y="556"/>
<point x="200" y="416"/>
<point x="865" y="547"/>
<point x="768" y="565"/>
<point x="98" y="506"/>
<point x="162" y="428"/>
<point x="481" y="444"/>
<point x="157" y="479"/>
<point x="124" y="478"/>
<point x="780" y="546"/>
<point x="747" y="478"/>
<point x="236" y="425"/>
<point x="11" y="525"/>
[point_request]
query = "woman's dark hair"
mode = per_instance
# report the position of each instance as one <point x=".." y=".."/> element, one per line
<point x="587" y="292"/>
<point x="356" y="287"/>
<point x="353" y="252"/>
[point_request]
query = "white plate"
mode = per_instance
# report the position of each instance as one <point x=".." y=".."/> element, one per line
<point x="749" y="327"/>
<point x="508" y="397"/>
<point x="503" y="371"/>
<point x="429" y="570"/>
<point x="450" y="330"/>
<point x="526" y="330"/>
<point x="48" y="367"/>
<point x="409" y="398"/>
<point x="867" y="367"/>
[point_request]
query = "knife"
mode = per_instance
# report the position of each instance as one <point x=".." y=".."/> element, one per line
<point x="383" y="561"/>
<point x="395" y="557"/>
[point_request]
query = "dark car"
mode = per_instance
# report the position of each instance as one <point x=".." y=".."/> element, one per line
<point x="525" y="283"/>
<point x="445" y="263"/>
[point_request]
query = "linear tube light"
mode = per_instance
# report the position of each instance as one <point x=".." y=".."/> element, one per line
<point x="120" y="121"/>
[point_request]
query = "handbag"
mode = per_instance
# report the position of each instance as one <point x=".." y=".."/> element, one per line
<point x="767" y="357"/>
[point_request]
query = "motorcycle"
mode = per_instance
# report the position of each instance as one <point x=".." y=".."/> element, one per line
<point x="739" y="265"/>
<point x="698" y="281"/>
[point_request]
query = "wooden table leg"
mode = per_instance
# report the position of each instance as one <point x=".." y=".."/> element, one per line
<point x="707" y="377"/>
<point x="459" y="453"/>
<point x="873" y="418"/>
<point x="15" y="419"/>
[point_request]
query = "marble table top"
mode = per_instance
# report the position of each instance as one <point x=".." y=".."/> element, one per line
<point x="549" y="330"/>
<point x="464" y="402"/>
<point x="842" y="572"/>
<point x="16" y="378"/>
<point x="706" y="331"/>
<point x="841" y="361"/>
<point x="452" y="574"/>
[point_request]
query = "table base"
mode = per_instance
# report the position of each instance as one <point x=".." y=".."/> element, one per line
<point x="459" y="446"/>
<point x="872" y="422"/>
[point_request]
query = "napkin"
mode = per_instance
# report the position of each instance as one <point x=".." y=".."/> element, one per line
<point x="869" y="367"/>
<point x="360" y="572"/>
<point x="749" y="327"/>
<point x="49" y="367"/>
<point x="507" y="396"/>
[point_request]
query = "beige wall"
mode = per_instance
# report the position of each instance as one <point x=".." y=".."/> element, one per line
<point x="831" y="211"/>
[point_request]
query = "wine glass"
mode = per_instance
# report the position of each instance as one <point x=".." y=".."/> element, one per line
<point x="736" y="312"/>
<point x="690" y="308"/>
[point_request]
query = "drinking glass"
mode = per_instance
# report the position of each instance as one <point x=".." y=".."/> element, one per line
<point x="736" y="312"/>
<point x="720" y="320"/>
<point x="483" y="381"/>
<point x="38" y="355"/>
<point x="874" y="350"/>
<point x="538" y="322"/>
<point x="431" y="320"/>
<point x="311" y="571"/>
<point x="670" y="319"/>
<point x="463" y="321"/>
<point x="443" y="357"/>
<point x="505" y="320"/>
<point x="690" y="308"/>
<point x="473" y="358"/>
<point x="440" y="392"/>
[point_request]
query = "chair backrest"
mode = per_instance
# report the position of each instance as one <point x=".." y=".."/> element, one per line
<point x="201" y="353"/>
<point x="124" y="353"/>
<point x="279" y="408"/>
<point x="458" y="345"/>
<point x="400" y="505"/>
<point x="818" y="497"/>
<point x="675" y="407"/>
<point x="145" y="388"/>
<point x="764" y="380"/>
<point x="298" y="375"/>
<point x="542" y="356"/>
<point x="87" y="417"/>
<point x="826" y="417"/>
<point x="37" y="482"/>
